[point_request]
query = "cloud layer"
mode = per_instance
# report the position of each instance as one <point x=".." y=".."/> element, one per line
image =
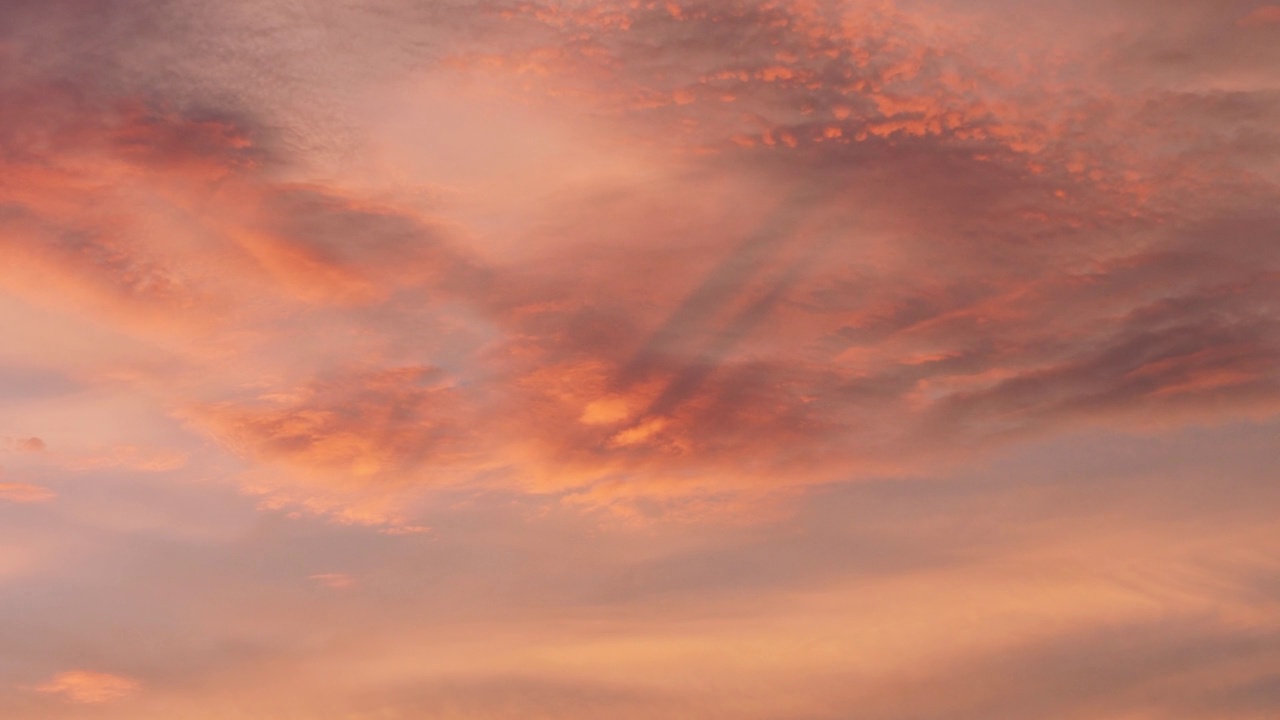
<point x="684" y="326"/>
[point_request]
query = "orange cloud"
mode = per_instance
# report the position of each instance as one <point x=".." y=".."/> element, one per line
<point x="25" y="493"/>
<point x="363" y="427"/>
<point x="88" y="687"/>
<point x="333" y="581"/>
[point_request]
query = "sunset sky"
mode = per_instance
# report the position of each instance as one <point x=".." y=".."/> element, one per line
<point x="594" y="360"/>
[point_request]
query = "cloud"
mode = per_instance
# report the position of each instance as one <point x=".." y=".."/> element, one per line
<point x="29" y="444"/>
<point x="89" y="687"/>
<point x="1110" y="671"/>
<point x="25" y="493"/>
<point x="333" y="581"/>
<point x="354" y="444"/>
<point x="862" y="241"/>
<point x="533" y="697"/>
<point x="332" y="249"/>
<point x="363" y="425"/>
<point x="758" y="359"/>
<point x="1262" y="15"/>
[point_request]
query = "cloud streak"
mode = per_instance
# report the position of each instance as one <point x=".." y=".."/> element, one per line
<point x="87" y="687"/>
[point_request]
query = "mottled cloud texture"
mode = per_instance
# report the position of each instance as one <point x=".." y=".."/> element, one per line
<point x="734" y="359"/>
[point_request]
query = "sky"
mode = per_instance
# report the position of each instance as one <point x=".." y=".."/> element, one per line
<point x="579" y="359"/>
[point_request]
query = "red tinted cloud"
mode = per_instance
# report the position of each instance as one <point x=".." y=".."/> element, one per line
<point x="1262" y="15"/>
<point x="377" y="424"/>
<point x="874" y="240"/>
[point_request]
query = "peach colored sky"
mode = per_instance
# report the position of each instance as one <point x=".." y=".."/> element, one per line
<point x="742" y="359"/>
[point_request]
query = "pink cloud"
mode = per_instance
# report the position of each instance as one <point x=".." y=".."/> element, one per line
<point x="30" y="444"/>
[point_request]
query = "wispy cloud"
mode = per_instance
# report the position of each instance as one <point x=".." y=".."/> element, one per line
<point x="25" y="493"/>
<point x="88" y="687"/>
